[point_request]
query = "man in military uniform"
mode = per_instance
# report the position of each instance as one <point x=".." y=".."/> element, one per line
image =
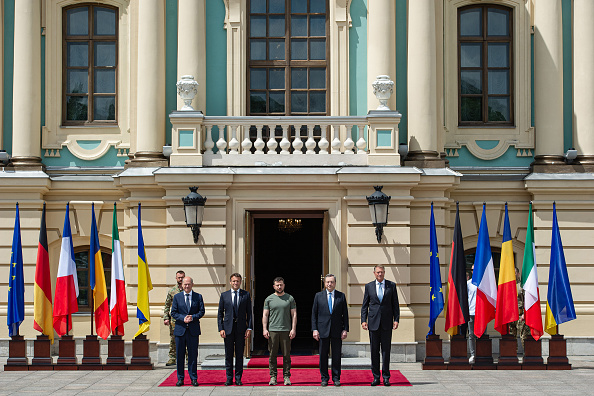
<point x="519" y="328"/>
<point x="179" y="277"/>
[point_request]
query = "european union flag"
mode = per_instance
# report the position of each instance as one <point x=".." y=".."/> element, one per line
<point x="435" y="294"/>
<point x="16" y="283"/>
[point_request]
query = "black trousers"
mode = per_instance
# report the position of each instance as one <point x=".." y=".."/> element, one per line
<point x="191" y="343"/>
<point x="234" y="343"/>
<point x="381" y="338"/>
<point x="324" y="349"/>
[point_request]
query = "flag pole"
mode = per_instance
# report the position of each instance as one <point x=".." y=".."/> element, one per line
<point x="92" y="312"/>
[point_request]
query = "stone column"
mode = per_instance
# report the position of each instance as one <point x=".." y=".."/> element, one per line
<point x="150" y="125"/>
<point x="422" y="86"/>
<point x="191" y="47"/>
<point x="381" y="52"/>
<point x="583" y="80"/>
<point x="26" y="96"/>
<point x="548" y="85"/>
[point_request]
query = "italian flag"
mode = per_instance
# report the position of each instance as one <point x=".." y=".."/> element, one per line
<point x="118" y="305"/>
<point x="532" y="313"/>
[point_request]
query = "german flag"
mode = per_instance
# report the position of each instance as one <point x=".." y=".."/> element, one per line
<point x="42" y="292"/>
<point x="457" y="304"/>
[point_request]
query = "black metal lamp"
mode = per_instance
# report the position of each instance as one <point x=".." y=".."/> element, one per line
<point x="194" y="210"/>
<point x="378" y="206"/>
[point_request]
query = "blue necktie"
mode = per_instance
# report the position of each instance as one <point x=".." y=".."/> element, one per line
<point x="330" y="302"/>
<point x="188" y="305"/>
<point x="380" y="293"/>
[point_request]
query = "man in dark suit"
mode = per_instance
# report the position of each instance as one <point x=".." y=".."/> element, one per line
<point x="380" y="314"/>
<point x="330" y="324"/>
<point x="187" y="308"/>
<point x="235" y="326"/>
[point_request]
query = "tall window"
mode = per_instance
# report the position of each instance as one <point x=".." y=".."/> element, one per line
<point x="81" y="258"/>
<point x="288" y="57"/>
<point x="485" y="61"/>
<point x="90" y="61"/>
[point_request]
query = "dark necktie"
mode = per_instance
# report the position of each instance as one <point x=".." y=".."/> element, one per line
<point x="235" y="303"/>
<point x="188" y="305"/>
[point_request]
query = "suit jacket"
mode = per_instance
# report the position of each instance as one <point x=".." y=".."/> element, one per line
<point x="244" y="312"/>
<point x="326" y="323"/>
<point x="179" y="312"/>
<point x="380" y="315"/>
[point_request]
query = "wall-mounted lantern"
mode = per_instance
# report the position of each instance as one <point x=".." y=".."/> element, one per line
<point x="194" y="210"/>
<point x="378" y="206"/>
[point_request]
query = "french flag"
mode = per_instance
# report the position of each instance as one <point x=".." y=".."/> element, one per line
<point x="65" y="302"/>
<point x="483" y="277"/>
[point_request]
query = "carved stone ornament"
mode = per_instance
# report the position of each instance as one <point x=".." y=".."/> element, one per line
<point x="187" y="89"/>
<point x="383" y="88"/>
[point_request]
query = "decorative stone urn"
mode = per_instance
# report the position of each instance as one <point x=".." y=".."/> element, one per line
<point x="187" y="88"/>
<point x="382" y="89"/>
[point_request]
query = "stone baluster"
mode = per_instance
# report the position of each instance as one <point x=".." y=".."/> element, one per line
<point x="310" y="143"/>
<point x="259" y="143"/>
<point x="208" y="143"/>
<point x="297" y="143"/>
<point x="272" y="143"/>
<point x="361" y="143"/>
<point x="285" y="144"/>
<point x="336" y="140"/>
<point x="323" y="143"/>
<point x="349" y="144"/>
<point x="222" y="142"/>
<point x="246" y="143"/>
<point x="233" y="143"/>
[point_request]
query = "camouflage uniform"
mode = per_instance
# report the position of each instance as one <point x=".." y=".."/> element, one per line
<point x="166" y="316"/>
<point x="519" y="328"/>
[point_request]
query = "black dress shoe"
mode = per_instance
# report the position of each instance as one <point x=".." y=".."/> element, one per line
<point x="238" y="382"/>
<point x="194" y="382"/>
<point x="179" y="383"/>
<point x="337" y="383"/>
<point x="324" y="383"/>
<point x="387" y="382"/>
<point x="228" y="382"/>
<point x="375" y="382"/>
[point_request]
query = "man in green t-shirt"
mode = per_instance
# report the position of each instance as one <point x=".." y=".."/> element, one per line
<point x="279" y="322"/>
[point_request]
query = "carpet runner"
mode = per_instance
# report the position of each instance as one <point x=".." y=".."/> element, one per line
<point x="299" y="377"/>
<point x="296" y="362"/>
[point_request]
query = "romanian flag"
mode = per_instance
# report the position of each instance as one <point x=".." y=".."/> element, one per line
<point x="16" y="282"/>
<point x="435" y="294"/>
<point x="483" y="278"/>
<point x="97" y="282"/>
<point x="118" y="305"/>
<point x="560" y="307"/>
<point x="42" y="292"/>
<point x="65" y="301"/>
<point x="532" y="314"/>
<point x="144" y="285"/>
<point x="507" y="294"/>
<point x="457" y="304"/>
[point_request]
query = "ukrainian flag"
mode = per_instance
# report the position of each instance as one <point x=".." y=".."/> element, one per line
<point x="560" y="307"/>
<point x="144" y="285"/>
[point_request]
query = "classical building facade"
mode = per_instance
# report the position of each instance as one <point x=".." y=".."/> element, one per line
<point x="301" y="107"/>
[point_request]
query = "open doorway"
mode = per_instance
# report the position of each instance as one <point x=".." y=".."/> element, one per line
<point x="296" y="252"/>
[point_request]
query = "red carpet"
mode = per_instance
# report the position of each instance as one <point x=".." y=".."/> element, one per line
<point x="299" y="377"/>
<point x="296" y="362"/>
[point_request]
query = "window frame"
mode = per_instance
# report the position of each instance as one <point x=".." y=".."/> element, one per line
<point x="484" y="39"/>
<point x="288" y="63"/>
<point x="91" y="38"/>
<point x="106" y="269"/>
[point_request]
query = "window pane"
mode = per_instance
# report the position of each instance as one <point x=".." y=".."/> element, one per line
<point x="83" y="297"/>
<point x="77" y="21"/>
<point x="317" y="25"/>
<point x="317" y="102"/>
<point x="258" y="26"/>
<point x="276" y="26"/>
<point x="277" y="102"/>
<point x="471" y="82"/>
<point x="470" y="55"/>
<point x="258" y="49"/>
<point x="317" y="49"/>
<point x="105" y="53"/>
<point x="257" y="78"/>
<point x="498" y="109"/>
<point x="299" y="78"/>
<point x="258" y="6"/>
<point x="298" y="102"/>
<point x="276" y="6"/>
<point x="104" y="21"/>
<point x="499" y="82"/>
<point x="104" y="81"/>
<point x="317" y="6"/>
<point x="77" y="54"/>
<point x="257" y="102"/>
<point x="317" y="77"/>
<point x="78" y="81"/>
<point x="498" y="55"/>
<point x="299" y="5"/>
<point x="471" y="22"/>
<point x="276" y="49"/>
<point x="81" y="260"/>
<point x="497" y="22"/>
<point x="277" y="79"/>
<point x="298" y="49"/>
<point x="76" y="108"/>
<point x="471" y="109"/>
<point x="299" y="25"/>
<point x="104" y="107"/>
